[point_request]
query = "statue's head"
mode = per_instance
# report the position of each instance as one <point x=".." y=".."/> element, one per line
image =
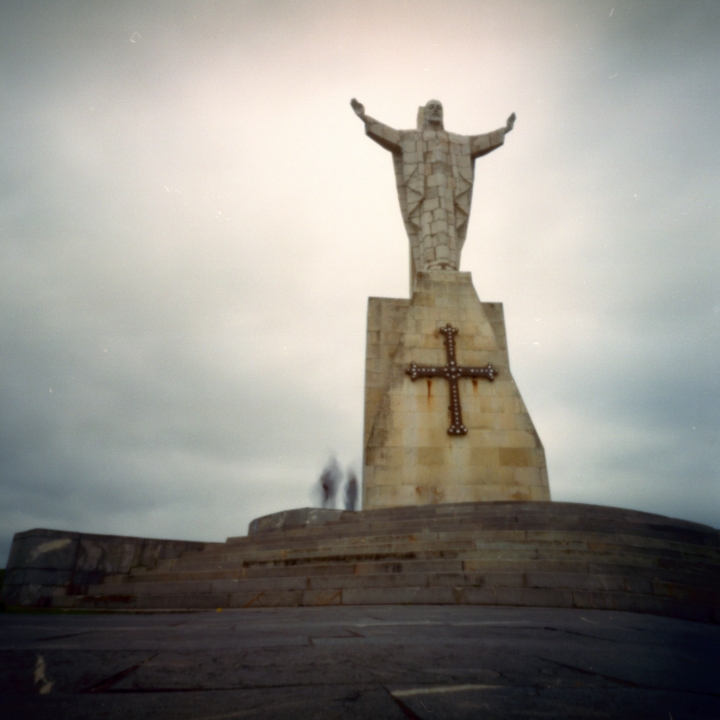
<point x="433" y="114"/>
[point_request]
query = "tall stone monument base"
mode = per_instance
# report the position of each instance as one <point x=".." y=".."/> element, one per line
<point x="409" y="456"/>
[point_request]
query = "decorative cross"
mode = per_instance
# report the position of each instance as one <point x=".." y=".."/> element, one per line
<point x="452" y="372"/>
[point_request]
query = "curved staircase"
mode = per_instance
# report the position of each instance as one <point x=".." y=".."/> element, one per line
<point x="498" y="553"/>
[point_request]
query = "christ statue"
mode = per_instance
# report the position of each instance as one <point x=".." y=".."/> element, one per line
<point x="434" y="175"/>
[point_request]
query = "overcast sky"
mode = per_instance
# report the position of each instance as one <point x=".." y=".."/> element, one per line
<point x="192" y="220"/>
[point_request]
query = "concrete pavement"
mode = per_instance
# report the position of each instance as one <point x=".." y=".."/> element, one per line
<point x="429" y="662"/>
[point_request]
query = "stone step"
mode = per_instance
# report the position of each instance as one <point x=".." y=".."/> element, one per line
<point x="313" y="540"/>
<point x="668" y="604"/>
<point x="546" y="580"/>
<point x="508" y="508"/>
<point x="513" y="509"/>
<point x="558" y="513"/>
<point x="531" y="546"/>
<point x="289" y="537"/>
<point x="708" y="579"/>
<point x="705" y="576"/>
<point x="429" y="550"/>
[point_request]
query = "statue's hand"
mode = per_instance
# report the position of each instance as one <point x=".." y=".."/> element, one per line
<point x="359" y="108"/>
<point x="510" y="123"/>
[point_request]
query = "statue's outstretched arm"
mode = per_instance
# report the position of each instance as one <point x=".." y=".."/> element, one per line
<point x="382" y="134"/>
<point x="483" y="144"/>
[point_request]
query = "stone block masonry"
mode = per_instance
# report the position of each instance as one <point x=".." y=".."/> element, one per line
<point x="47" y="564"/>
<point x="409" y="458"/>
<point x="497" y="553"/>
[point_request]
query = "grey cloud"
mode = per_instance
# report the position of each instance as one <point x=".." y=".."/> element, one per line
<point x="190" y="225"/>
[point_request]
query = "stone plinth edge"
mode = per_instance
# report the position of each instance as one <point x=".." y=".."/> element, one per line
<point x="288" y="519"/>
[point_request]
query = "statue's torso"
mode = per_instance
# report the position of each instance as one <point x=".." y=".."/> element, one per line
<point x="435" y="174"/>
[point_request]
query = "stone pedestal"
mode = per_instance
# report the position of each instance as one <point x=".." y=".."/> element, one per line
<point x="409" y="458"/>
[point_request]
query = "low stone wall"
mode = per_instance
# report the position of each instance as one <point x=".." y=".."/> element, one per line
<point x="291" y="519"/>
<point x="44" y="564"/>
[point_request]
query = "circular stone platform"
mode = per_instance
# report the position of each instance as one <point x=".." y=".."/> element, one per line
<point x="542" y="554"/>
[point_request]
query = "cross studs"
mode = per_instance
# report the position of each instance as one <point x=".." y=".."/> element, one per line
<point x="452" y="372"/>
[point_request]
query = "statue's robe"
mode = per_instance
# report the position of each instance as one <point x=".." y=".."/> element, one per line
<point x="434" y="171"/>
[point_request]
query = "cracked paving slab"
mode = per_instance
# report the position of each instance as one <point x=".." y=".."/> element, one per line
<point x="353" y="662"/>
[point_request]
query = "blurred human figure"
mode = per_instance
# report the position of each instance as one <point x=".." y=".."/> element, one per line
<point x="329" y="482"/>
<point x="351" y="490"/>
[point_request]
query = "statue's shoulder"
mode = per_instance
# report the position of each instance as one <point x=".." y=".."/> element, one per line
<point x="458" y="139"/>
<point x="409" y="140"/>
<point x="413" y="135"/>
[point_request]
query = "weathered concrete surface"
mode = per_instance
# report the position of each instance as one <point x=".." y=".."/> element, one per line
<point x="433" y="663"/>
<point x="44" y="564"/>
